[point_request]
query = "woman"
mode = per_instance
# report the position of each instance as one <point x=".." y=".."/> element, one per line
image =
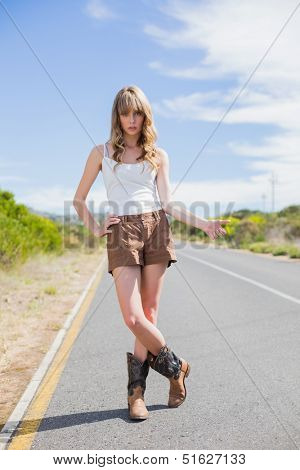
<point x="140" y="246"/>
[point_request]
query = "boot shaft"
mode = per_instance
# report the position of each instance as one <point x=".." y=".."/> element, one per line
<point x="166" y="362"/>
<point x="137" y="373"/>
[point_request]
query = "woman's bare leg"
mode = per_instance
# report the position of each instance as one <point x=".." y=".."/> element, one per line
<point x="151" y="285"/>
<point x="128" y="287"/>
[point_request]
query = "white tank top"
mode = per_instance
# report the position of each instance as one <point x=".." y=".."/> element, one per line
<point x="131" y="188"/>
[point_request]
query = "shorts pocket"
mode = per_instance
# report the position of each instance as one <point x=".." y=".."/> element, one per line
<point x="131" y="236"/>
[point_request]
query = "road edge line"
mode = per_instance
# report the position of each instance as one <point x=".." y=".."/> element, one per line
<point x="23" y="405"/>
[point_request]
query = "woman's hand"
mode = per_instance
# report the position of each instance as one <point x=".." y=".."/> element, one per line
<point x="214" y="229"/>
<point x="102" y="230"/>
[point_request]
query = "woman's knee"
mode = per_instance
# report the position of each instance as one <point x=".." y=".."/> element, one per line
<point x="151" y="311"/>
<point x="132" y="320"/>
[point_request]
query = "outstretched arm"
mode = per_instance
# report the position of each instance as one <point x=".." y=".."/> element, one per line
<point x="212" y="228"/>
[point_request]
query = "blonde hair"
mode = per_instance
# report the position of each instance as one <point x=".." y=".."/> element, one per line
<point x="133" y="98"/>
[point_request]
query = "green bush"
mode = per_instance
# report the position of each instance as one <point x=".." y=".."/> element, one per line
<point x="293" y="229"/>
<point x="23" y="233"/>
<point x="281" y="250"/>
<point x="246" y="232"/>
<point x="261" y="247"/>
<point x="290" y="211"/>
<point x="294" y="252"/>
<point x="231" y="228"/>
<point x="257" y="219"/>
<point x="13" y="241"/>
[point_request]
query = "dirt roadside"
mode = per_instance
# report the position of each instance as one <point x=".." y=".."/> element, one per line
<point x="34" y="302"/>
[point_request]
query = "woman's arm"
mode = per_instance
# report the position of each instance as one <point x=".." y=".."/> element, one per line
<point x="213" y="228"/>
<point x="91" y="170"/>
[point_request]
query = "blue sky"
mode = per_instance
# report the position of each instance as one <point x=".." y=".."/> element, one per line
<point x="190" y="58"/>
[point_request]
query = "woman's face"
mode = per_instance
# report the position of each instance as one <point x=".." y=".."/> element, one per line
<point x="132" y="122"/>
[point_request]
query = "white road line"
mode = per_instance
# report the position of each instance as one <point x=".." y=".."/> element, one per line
<point x="244" y="278"/>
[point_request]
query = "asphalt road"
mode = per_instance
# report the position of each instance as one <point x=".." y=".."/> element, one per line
<point x="235" y="317"/>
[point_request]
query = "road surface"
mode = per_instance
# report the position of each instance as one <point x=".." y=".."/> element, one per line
<point x="235" y="316"/>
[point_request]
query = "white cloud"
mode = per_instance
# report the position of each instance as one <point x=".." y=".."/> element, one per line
<point x="276" y="146"/>
<point x="98" y="10"/>
<point x="191" y="107"/>
<point x="58" y="199"/>
<point x="197" y="73"/>
<point x="236" y="193"/>
<point x="232" y="38"/>
<point x="255" y="108"/>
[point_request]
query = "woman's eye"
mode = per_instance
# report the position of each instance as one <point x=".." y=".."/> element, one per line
<point x="139" y="113"/>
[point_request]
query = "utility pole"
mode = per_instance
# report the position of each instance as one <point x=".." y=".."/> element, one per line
<point x="273" y="180"/>
<point x="263" y="196"/>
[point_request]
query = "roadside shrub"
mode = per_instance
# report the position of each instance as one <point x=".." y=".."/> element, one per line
<point x="231" y="229"/>
<point x="293" y="229"/>
<point x="280" y="250"/>
<point x="261" y="247"/>
<point x="23" y="233"/>
<point x="246" y="232"/>
<point x="294" y="252"/>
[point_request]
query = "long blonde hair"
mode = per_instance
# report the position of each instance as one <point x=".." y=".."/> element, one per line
<point x="133" y="98"/>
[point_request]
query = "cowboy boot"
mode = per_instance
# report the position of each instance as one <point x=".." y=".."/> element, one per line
<point x="137" y="374"/>
<point x="175" y="369"/>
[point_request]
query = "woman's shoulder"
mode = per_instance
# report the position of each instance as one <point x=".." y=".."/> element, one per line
<point x="100" y="148"/>
<point x="162" y="155"/>
<point x="97" y="154"/>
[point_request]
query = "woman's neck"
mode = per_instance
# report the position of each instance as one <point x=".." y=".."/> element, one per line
<point x="131" y="142"/>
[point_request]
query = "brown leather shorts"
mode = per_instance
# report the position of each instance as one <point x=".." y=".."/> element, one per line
<point x="140" y="239"/>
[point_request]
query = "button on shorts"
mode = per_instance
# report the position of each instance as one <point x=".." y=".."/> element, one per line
<point x="140" y="239"/>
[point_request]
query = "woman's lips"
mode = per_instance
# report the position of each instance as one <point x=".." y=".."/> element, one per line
<point x="132" y="128"/>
